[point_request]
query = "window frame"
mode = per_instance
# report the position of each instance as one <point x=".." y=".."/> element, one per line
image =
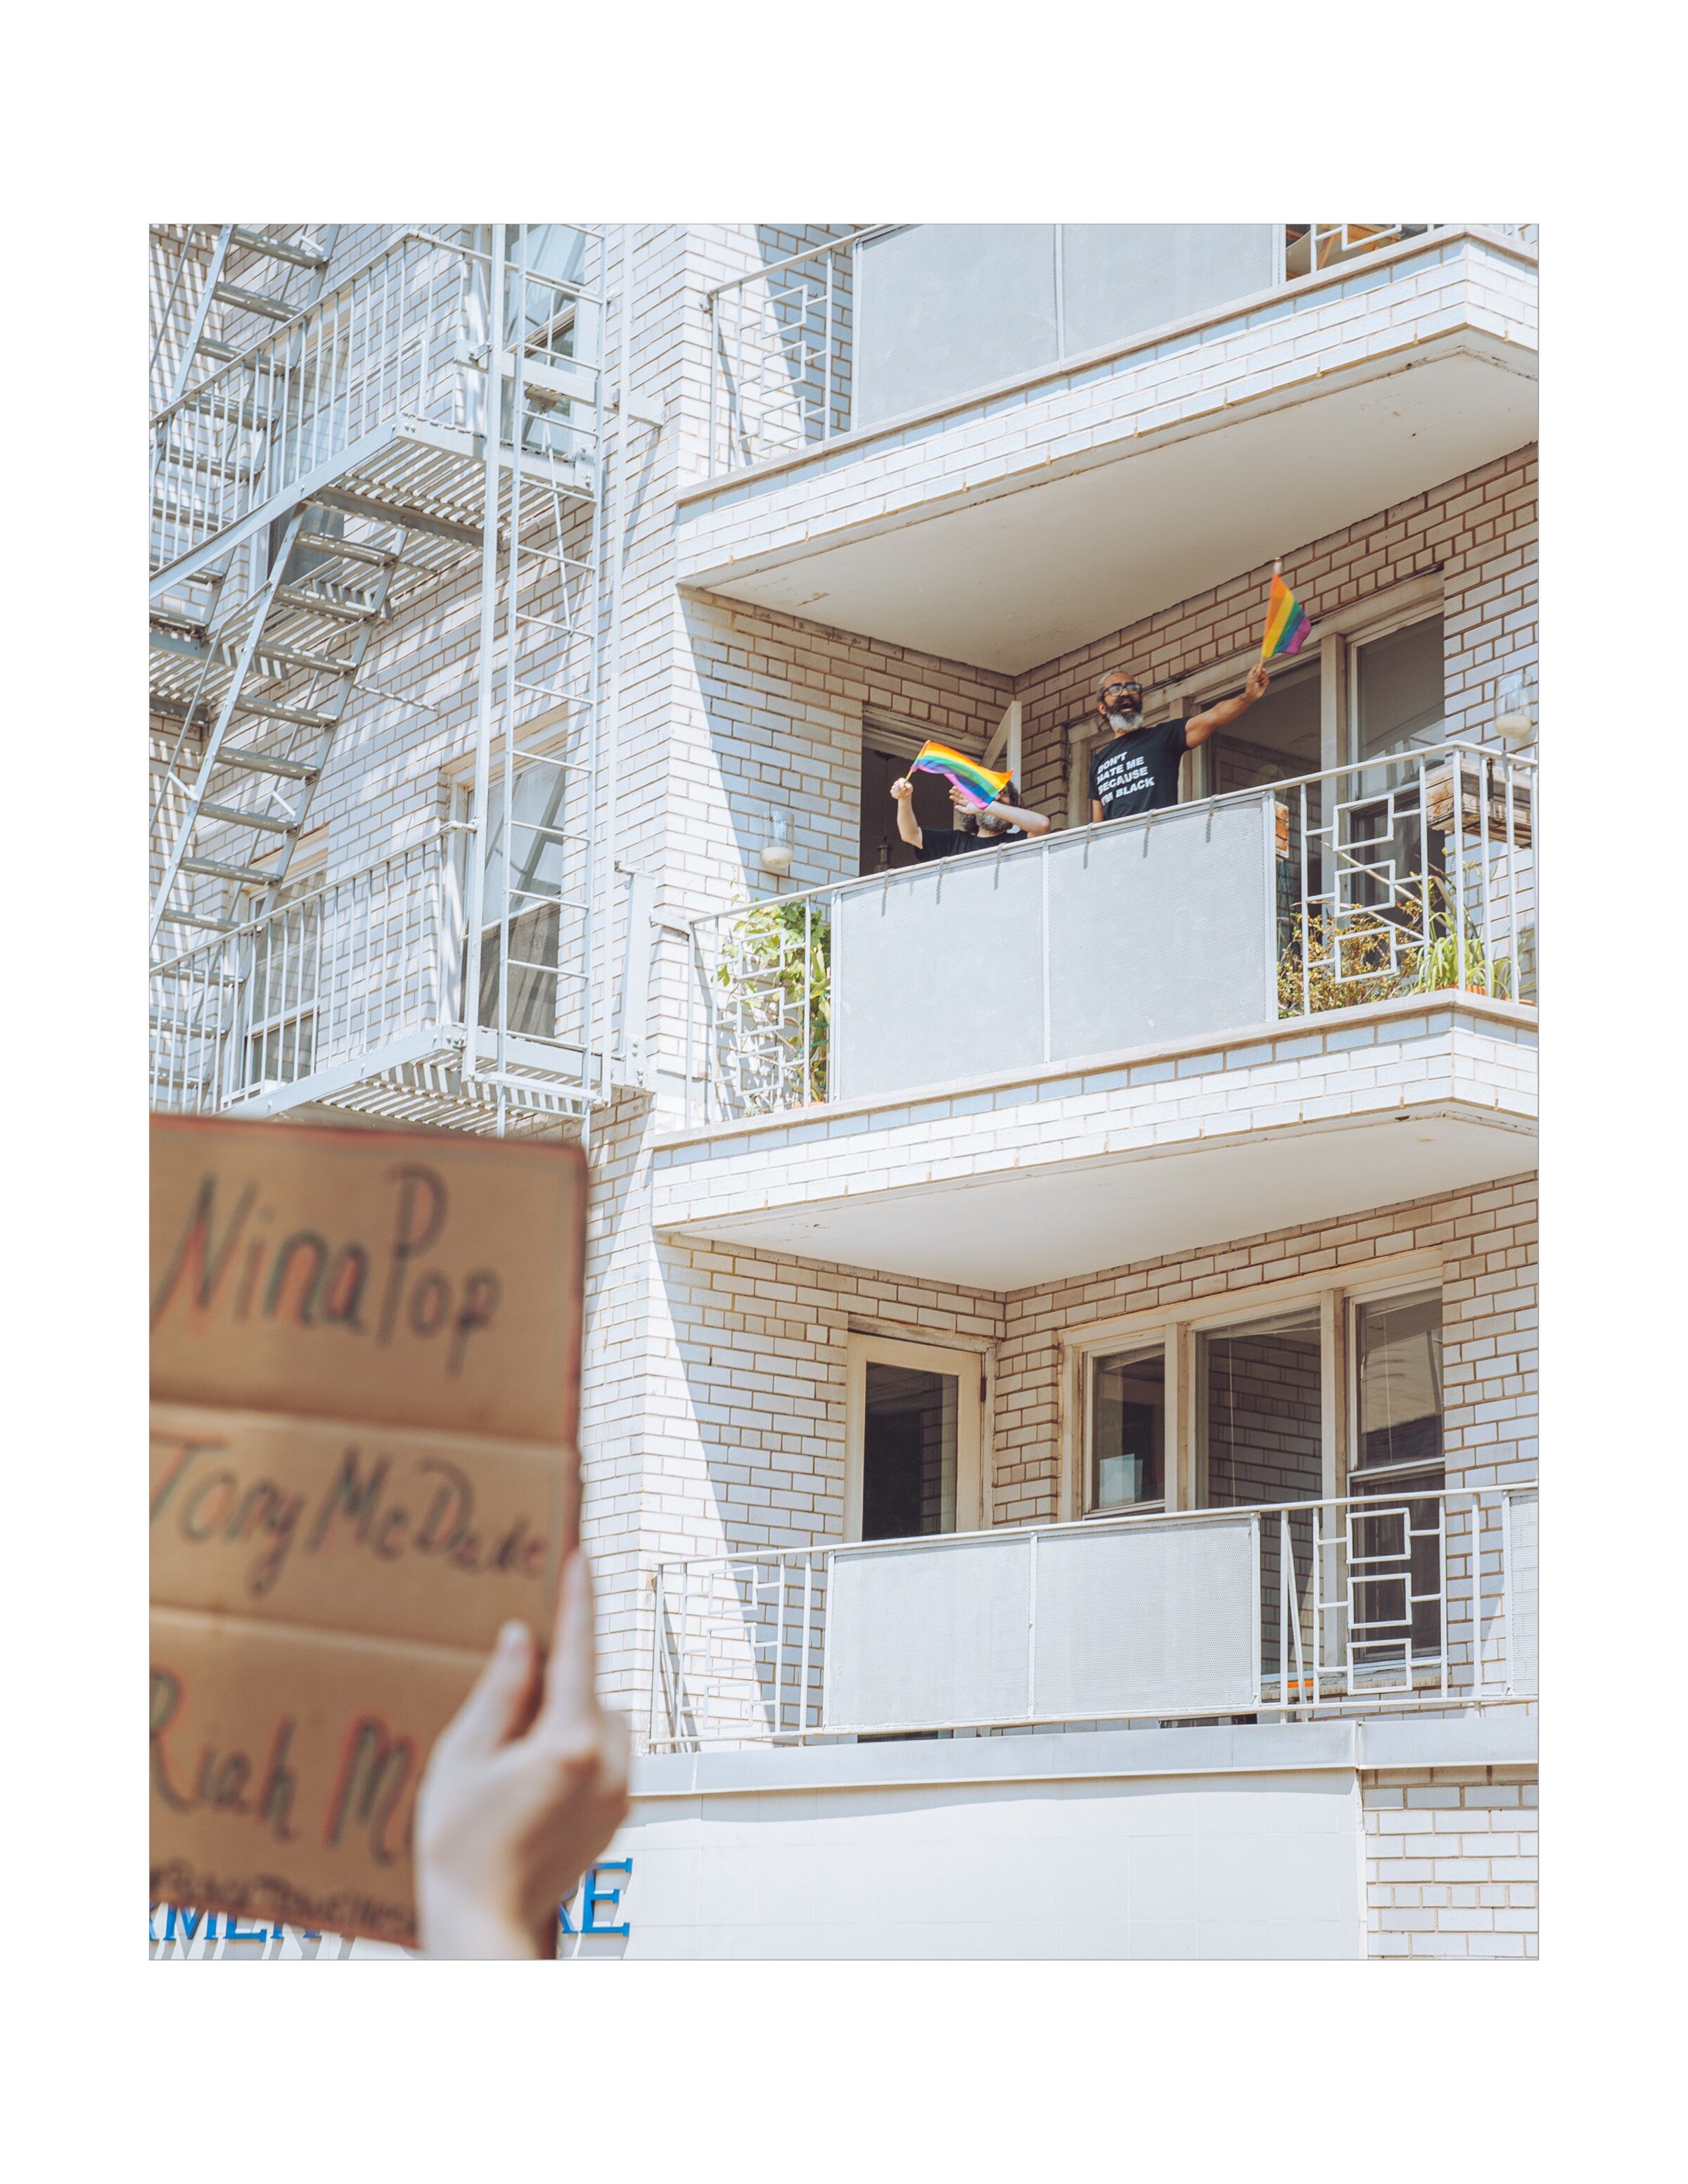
<point x="967" y="1368"/>
<point x="1386" y="1473"/>
<point x="1336" y="1296"/>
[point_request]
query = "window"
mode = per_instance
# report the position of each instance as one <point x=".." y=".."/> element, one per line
<point x="558" y="329"/>
<point x="533" y="909"/>
<point x="913" y="1434"/>
<point x="1398" y="690"/>
<point x="1258" y="1395"/>
<point x="281" y="998"/>
<point x="1128" y="1430"/>
<point x="1398" y="1362"/>
<point x="1276" y="740"/>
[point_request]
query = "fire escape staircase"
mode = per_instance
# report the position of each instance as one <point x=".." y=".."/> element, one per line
<point x="303" y="485"/>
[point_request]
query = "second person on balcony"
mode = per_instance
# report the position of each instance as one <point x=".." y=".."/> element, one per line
<point x="992" y="828"/>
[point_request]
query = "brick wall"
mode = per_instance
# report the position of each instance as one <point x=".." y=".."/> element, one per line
<point x="1451" y="1861"/>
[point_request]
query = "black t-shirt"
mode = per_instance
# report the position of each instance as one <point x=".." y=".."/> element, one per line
<point x="954" y="841"/>
<point x="1138" y="771"/>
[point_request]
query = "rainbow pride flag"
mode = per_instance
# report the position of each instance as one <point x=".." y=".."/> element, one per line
<point x="1286" y="621"/>
<point x="976" y="783"/>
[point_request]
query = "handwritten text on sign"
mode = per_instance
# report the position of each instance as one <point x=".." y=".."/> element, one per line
<point x="365" y="1378"/>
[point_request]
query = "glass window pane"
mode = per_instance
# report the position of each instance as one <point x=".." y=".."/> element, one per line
<point x="1127" y="1429"/>
<point x="1398" y="680"/>
<point x="1260" y="1390"/>
<point x="908" y="1453"/>
<point x="1276" y="739"/>
<point x="1398" y="1347"/>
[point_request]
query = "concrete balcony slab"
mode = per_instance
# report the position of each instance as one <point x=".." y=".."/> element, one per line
<point x="1014" y="526"/>
<point x="1006" y="1183"/>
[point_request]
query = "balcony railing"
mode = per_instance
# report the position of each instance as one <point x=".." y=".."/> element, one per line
<point x="343" y="972"/>
<point x="359" y="976"/>
<point x="784" y="368"/>
<point x="1411" y="874"/>
<point x="1398" y="1599"/>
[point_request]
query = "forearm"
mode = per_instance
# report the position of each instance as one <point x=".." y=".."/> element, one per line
<point x="909" y="827"/>
<point x="1216" y="716"/>
<point x="1030" y="822"/>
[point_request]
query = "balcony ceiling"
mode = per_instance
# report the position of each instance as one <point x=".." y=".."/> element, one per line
<point x="1019" y="1227"/>
<point x="1031" y="565"/>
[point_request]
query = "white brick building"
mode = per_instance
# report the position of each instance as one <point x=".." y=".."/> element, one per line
<point x="1119" y="1220"/>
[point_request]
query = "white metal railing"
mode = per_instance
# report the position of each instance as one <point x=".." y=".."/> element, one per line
<point x="357" y="975"/>
<point x="1394" y="1599"/>
<point x="1412" y="873"/>
<point x="781" y="337"/>
<point x="383" y="343"/>
<point x="333" y="976"/>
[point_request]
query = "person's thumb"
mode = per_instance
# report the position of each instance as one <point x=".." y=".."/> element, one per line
<point x="501" y="1703"/>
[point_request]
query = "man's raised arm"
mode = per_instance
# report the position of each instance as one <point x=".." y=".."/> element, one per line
<point x="907" y="825"/>
<point x="1199" y="726"/>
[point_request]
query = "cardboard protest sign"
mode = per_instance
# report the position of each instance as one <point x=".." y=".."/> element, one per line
<point x="365" y="1385"/>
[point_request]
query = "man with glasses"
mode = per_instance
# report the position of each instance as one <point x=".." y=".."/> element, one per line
<point x="1137" y="769"/>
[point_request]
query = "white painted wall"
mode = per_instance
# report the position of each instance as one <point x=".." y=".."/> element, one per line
<point x="1056" y="1857"/>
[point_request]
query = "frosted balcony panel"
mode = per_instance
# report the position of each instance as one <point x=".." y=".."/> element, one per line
<point x="1117" y="282"/>
<point x="944" y="309"/>
<point x="1090" y="943"/>
<point x="928" y="1634"/>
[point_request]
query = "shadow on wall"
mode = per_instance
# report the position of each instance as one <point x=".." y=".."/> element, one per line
<point x="772" y="748"/>
<point x="754" y="1438"/>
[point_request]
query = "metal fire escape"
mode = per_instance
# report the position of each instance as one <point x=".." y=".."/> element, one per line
<point x="440" y="405"/>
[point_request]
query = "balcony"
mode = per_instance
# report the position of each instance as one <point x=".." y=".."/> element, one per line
<point x="1289" y="1004"/>
<point x="352" y="996"/>
<point x="1384" y="1603"/>
<point x="1348" y="376"/>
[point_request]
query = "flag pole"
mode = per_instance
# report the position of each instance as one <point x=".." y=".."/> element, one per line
<point x="1277" y="572"/>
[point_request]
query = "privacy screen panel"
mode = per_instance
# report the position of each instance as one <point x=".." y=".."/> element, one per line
<point x="921" y="1636"/>
<point x="944" y="309"/>
<point x="1147" y="1620"/>
<point x="1120" y="281"/>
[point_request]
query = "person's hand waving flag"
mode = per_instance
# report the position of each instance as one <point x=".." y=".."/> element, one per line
<point x="977" y="783"/>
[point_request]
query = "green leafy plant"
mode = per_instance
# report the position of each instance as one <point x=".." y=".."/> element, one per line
<point x="778" y="961"/>
<point x="1449" y="959"/>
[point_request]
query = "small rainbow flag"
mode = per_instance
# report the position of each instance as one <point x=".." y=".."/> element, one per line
<point x="1286" y="620"/>
<point x="976" y="783"/>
